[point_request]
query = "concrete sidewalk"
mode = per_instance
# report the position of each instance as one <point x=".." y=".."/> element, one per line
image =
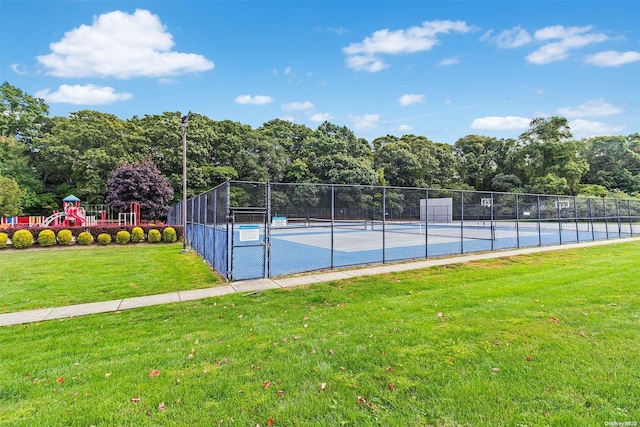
<point x="258" y="285"/>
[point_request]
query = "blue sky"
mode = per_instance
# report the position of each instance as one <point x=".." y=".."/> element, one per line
<point x="441" y="69"/>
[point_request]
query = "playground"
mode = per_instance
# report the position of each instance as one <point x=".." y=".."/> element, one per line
<point x="74" y="214"/>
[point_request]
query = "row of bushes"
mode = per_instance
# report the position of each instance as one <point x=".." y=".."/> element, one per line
<point x="24" y="238"/>
<point x="95" y="231"/>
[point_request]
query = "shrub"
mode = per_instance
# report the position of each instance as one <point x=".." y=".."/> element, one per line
<point x="154" y="236"/>
<point x="123" y="237"/>
<point x="169" y="235"/>
<point x="137" y="235"/>
<point x="104" y="239"/>
<point x="65" y="237"/>
<point x="3" y="240"/>
<point x="85" y="238"/>
<point x="47" y="238"/>
<point x="22" y="239"/>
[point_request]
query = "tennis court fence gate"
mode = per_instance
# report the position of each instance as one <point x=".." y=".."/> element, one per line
<point x="249" y="230"/>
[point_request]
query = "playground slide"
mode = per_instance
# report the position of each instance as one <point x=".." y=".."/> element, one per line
<point x="58" y="215"/>
<point x="78" y="219"/>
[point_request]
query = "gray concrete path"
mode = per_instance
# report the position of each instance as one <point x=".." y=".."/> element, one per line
<point x="249" y="286"/>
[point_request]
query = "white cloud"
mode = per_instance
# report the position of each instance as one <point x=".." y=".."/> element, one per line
<point x="593" y="108"/>
<point x="446" y="101"/>
<point x="404" y="128"/>
<point x="297" y="106"/>
<point x="83" y="95"/>
<point x="509" y="39"/>
<point x="287" y="71"/>
<point x="368" y="63"/>
<point x="339" y="31"/>
<point x="501" y="123"/>
<point x="254" y="100"/>
<point x="120" y="45"/>
<point x="449" y="61"/>
<point x="362" y="56"/>
<point x="18" y="69"/>
<point x="367" y="121"/>
<point x="570" y="38"/>
<point x="321" y="117"/>
<point x="585" y="128"/>
<point x="612" y="58"/>
<point x="411" y="98"/>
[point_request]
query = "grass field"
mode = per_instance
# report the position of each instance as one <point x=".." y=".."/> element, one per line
<point x="543" y="339"/>
<point x="53" y="277"/>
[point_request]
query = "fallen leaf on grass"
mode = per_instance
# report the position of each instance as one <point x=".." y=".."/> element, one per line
<point x="154" y="373"/>
<point x="389" y="368"/>
<point x="269" y="422"/>
<point x="280" y="393"/>
<point x="60" y="380"/>
<point x="107" y="374"/>
<point x="323" y="386"/>
<point x="362" y="400"/>
<point x="135" y="399"/>
<point x="554" y="320"/>
<point x="528" y="358"/>
<point x="267" y="384"/>
<point x="441" y="316"/>
<point x="162" y="406"/>
<point x="495" y="370"/>
<point x="392" y="386"/>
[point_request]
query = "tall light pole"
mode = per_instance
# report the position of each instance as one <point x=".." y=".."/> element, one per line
<point x="185" y="122"/>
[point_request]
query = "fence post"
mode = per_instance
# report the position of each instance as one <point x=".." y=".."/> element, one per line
<point x="606" y="220"/>
<point x="384" y="221"/>
<point x="333" y="216"/>
<point x="492" y="235"/>
<point x="461" y="222"/>
<point x="267" y="227"/>
<point x="593" y="232"/>
<point x="229" y="241"/>
<point x="426" y="224"/>
<point x="517" y="223"/>
<point x="618" y="215"/>
<point x="575" y="209"/>
<point x="559" y="218"/>
<point x="539" y="219"/>
<point x="630" y="222"/>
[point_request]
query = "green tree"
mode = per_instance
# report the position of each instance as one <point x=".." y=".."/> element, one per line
<point x="400" y="166"/>
<point x="21" y="115"/>
<point x="547" y="155"/>
<point x="15" y="163"/>
<point x="287" y="140"/>
<point x="482" y="158"/>
<point x="79" y="152"/>
<point x="10" y="197"/>
<point x="334" y="155"/>
<point x="614" y="162"/>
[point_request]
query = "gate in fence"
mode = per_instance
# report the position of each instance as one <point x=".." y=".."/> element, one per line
<point x="249" y="235"/>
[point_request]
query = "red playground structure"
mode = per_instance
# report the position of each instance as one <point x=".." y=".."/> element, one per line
<point x="74" y="215"/>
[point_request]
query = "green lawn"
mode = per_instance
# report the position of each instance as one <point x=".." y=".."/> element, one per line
<point x="51" y="277"/>
<point x="544" y="339"/>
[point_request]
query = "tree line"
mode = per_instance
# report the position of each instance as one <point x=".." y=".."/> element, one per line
<point x="43" y="158"/>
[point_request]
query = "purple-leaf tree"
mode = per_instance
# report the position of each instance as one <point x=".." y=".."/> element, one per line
<point x="140" y="182"/>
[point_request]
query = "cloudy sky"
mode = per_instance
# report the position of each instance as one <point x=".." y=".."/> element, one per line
<point x="441" y="69"/>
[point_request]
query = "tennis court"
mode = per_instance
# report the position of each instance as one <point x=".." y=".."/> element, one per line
<point x="253" y="230"/>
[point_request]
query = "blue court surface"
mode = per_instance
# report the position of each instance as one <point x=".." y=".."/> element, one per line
<point x="298" y="249"/>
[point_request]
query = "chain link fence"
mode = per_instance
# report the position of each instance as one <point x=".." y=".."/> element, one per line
<point x="248" y="230"/>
